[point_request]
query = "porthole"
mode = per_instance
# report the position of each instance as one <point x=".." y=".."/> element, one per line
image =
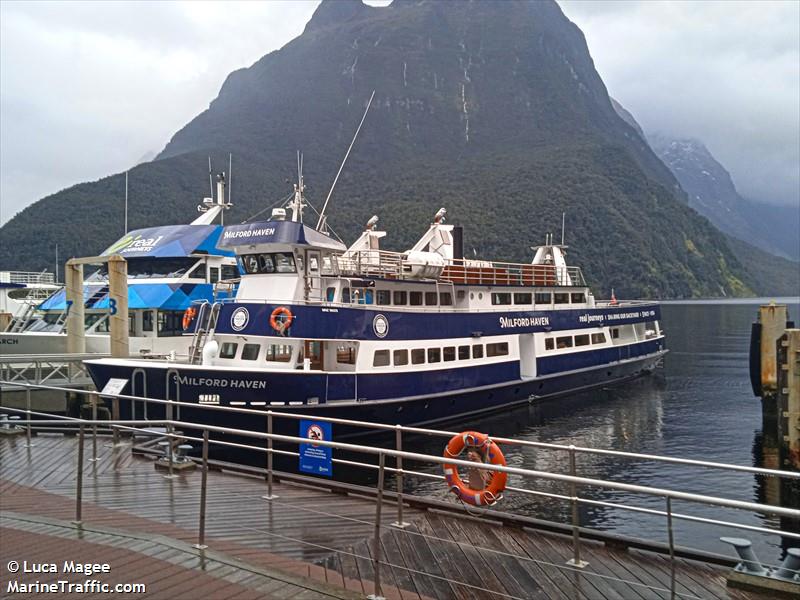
<point x="472" y="295"/>
<point x="480" y="295"/>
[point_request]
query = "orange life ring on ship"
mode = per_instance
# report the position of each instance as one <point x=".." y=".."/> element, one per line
<point x="281" y="324"/>
<point x="188" y="317"/>
<point x="494" y="487"/>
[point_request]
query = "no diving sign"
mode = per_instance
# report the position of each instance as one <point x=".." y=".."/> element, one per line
<point x="316" y="459"/>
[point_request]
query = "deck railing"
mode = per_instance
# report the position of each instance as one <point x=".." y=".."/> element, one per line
<point x="396" y="265"/>
<point x="27" y="277"/>
<point x="207" y="435"/>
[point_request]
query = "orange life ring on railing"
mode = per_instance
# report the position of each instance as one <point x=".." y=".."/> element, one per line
<point x="188" y="317"/>
<point x="281" y="324"/>
<point x="491" y="453"/>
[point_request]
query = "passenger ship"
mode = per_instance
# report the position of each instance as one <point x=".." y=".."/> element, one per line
<point x="415" y="337"/>
<point x="169" y="268"/>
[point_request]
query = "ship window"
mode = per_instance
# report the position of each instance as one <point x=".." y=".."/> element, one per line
<point x="313" y="264"/>
<point x="549" y="344"/>
<point x="449" y="353"/>
<point x="415" y="298"/>
<point x="383" y="297"/>
<point x="463" y="353"/>
<point x="615" y="333"/>
<point x="498" y="349"/>
<point x="330" y="294"/>
<point x="446" y="298"/>
<point x="430" y="299"/>
<point x="284" y="263"/>
<point x="477" y="351"/>
<point x="561" y="298"/>
<point x="434" y="355"/>
<point x="400" y="357"/>
<point x="418" y="356"/>
<point x="346" y="295"/>
<point x="229" y="272"/>
<point x="250" y="351"/>
<point x="381" y="358"/>
<point x="170" y="323"/>
<point x="147" y="320"/>
<point x="279" y="353"/>
<point x="400" y="298"/>
<point x="346" y="355"/>
<point x="501" y="299"/>
<point x="578" y="298"/>
<point x="228" y="350"/>
<point x="564" y="342"/>
<point x="543" y="297"/>
<point x="598" y="338"/>
<point x="524" y="298"/>
<point x="582" y="340"/>
<point x="213" y="274"/>
<point x="266" y="264"/>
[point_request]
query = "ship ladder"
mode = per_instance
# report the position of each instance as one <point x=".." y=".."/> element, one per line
<point x="206" y="319"/>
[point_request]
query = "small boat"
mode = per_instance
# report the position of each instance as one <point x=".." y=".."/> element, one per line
<point x="169" y="268"/>
<point x="415" y="337"/>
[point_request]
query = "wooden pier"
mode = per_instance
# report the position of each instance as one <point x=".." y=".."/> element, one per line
<point x="308" y="542"/>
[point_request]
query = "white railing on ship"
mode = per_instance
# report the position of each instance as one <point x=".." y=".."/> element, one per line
<point x="26" y="277"/>
<point x="49" y="421"/>
<point x="384" y="263"/>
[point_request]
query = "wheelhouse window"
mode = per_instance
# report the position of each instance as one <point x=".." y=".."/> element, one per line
<point x="543" y="298"/>
<point x="498" y="349"/>
<point x="228" y="350"/>
<point x="213" y="274"/>
<point x="250" y="351"/>
<point x="415" y="298"/>
<point x="523" y="298"/>
<point x="400" y="358"/>
<point x="499" y="299"/>
<point x="434" y="355"/>
<point x="418" y="356"/>
<point x="564" y="342"/>
<point x="400" y="298"/>
<point x="598" y="338"/>
<point x="229" y="272"/>
<point x="578" y="297"/>
<point x="383" y="297"/>
<point x="279" y="353"/>
<point x="561" y="298"/>
<point x="275" y="262"/>
<point x="582" y="340"/>
<point x="430" y="299"/>
<point x="449" y="353"/>
<point x="380" y="358"/>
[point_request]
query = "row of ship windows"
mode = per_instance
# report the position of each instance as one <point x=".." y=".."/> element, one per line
<point x="274" y="352"/>
<point x="404" y="298"/>
<point x="419" y="356"/>
<point x="568" y="341"/>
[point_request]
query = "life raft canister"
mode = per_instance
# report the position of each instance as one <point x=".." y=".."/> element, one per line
<point x="188" y="317"/>
<point x="481" y="442"/>
<point x="281" y="319"/>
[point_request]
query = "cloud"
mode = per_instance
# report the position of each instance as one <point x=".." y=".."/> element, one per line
<point x="727" y="73"/>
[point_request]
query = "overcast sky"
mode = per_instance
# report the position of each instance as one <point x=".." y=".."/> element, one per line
<point x="88" y="89"/>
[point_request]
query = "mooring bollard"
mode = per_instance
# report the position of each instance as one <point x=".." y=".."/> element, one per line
<point x="201" y="536"/>
<point x="376" y="543"/>
<point x="750" y="562"/>
<point x="575" y="561"/>
<point x="79" y="478"/>
<point x="399" y="464"/>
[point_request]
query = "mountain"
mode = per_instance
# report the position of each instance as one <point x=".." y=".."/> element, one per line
<point x="775" y="229"/>
<point x="492" y="109"/>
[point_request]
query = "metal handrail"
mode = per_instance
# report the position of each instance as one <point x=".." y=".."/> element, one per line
<point x="425" y="431"/>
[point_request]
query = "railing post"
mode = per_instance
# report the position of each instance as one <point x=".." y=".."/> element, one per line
<point x="115" y="418"/>
<point x="575" y="561"/>
<point x="201" y="536"/>
<point x="79" y="479"/>
<point x="28" y="416"/>
<point x="94" y="398"/>
<point x="399" y="464"/>
<point x="270" y="495"/>
<point x="376" y="542"/>
<point x="671" y="549"/>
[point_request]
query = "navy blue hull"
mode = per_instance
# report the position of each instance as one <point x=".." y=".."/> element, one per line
<point x="449" y="404"/>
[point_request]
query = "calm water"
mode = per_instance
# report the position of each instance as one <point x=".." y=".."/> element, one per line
<point x="700" y="405"/>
